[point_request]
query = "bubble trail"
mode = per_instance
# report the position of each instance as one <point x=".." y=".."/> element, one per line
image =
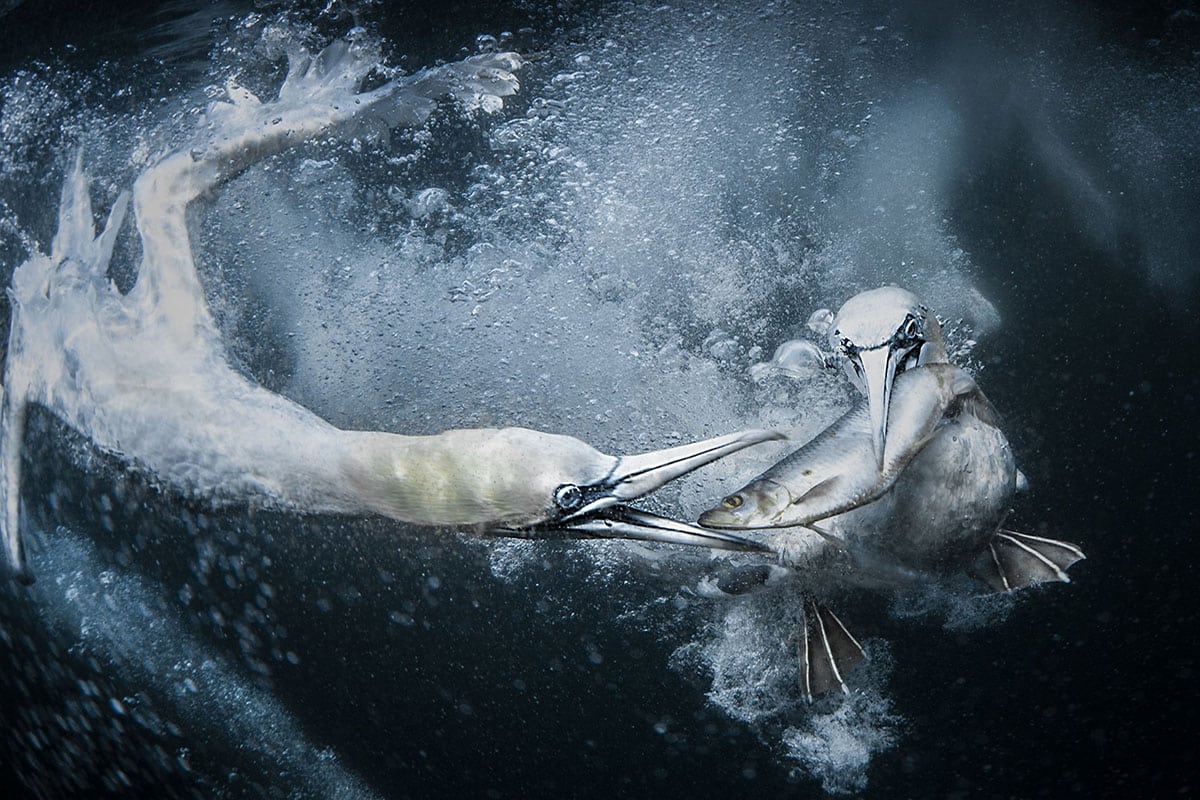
<point x="125" y="622"/>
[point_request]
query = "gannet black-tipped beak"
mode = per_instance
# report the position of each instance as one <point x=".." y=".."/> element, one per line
<point x="878" y="373"/>
<point x="597" y="508"/>
<point x="622" y="522"/>
<point x="637" y="476"/>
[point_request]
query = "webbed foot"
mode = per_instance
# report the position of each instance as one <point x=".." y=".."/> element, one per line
<point x="1014" y="560"/>
<point x="827" y="651"/>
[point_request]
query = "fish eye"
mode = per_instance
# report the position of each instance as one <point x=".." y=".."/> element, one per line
<point x="568" y="497"/>
<point x="733" y="501"/>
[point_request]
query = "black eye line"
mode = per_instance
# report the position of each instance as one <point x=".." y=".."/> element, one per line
<point x="586" y="495"/>
<point x="901" y="338"/>
<point x="565" y="494"/>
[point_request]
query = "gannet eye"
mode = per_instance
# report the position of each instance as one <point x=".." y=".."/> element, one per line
<point x="911" y="329"/>
<point x="733" y="501"/>
<point x="568" y="497"/>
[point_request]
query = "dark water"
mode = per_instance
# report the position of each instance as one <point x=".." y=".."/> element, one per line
<point x="477" y="687"/>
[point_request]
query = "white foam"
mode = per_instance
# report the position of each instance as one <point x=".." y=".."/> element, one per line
<point x="750" y="648"/>
<point x="836" y="747"/>
<point x="958" y="604"/>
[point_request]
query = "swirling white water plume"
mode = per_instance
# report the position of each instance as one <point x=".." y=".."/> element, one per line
<point x="144" y="373"/>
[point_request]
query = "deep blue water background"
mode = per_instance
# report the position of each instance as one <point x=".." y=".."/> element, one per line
<point x="1089" y="692"/>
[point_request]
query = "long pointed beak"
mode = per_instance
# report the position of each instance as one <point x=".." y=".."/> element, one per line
<point x="636" y="476"/>
<point x="603" y="515"/>
<point x="878" y="374"/>
<point x="622" y="522"/>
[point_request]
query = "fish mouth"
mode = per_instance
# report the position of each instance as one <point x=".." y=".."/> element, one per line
<point x="718" y="518"/>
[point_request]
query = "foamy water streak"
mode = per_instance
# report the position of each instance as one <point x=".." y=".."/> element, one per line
<point x="127" y="623"/>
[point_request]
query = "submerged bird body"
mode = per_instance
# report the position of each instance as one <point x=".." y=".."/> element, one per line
<point x="948" y="502"/>
<point x="144" y="374"/>
<point x="912" y="484"/>
<point x="946" y="481"/>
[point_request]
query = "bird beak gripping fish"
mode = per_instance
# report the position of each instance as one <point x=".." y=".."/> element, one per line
<point x="880" y="334"/>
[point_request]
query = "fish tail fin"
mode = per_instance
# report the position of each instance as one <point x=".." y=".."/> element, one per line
<point x="1014" y="560"/>
<point x="827" y="651"/>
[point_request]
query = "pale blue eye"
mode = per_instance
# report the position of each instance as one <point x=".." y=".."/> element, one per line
<point x="568" y="497"/>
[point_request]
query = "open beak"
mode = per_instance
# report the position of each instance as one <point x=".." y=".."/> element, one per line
<point x="623" y="522"/>
<point x="637" y="476"/>
<point x="602" y="512"/>
<point x="878" y="374"/>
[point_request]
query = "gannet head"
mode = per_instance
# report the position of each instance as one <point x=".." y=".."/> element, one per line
<point x="592" y="495"/>
<point x="879" y="334"/>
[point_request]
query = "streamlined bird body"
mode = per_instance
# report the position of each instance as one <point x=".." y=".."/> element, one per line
<point x="913" y="483"/>
<point x="144" y="374"/>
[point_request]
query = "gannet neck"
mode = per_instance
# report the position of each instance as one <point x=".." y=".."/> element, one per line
<point x="144" y="374"/>
<point x="503" y="477"/>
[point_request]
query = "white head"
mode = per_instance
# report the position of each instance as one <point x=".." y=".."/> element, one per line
<point x="879" y="334"/>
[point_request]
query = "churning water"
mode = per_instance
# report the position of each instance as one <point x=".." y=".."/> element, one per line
<point x="615" y="255"/>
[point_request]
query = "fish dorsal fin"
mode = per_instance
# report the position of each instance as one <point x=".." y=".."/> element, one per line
<point x="970" y="399"/>
<point x="977" y="405"/>
<point x="963" y="383"/>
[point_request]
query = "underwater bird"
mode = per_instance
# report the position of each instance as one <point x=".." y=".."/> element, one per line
<point x="913" y="483"/>
<point x="144" y="374"/>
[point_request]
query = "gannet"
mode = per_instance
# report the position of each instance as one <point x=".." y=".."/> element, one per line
<point x="144" y="374"/>
<point x="913" y="483"/>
